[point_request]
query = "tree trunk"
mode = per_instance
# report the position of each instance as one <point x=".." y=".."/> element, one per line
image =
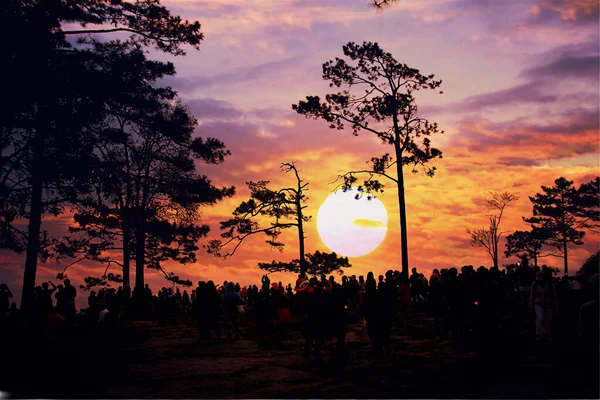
<point x="402" y="206"/>
<point x="140" y="246"/>
<point x="300" y="232"/>
<point x="566" y="257"/>
<point x="35" y="220"/>
<point x="126" y="240"/>
<point x="535" y="260"/>
<point x="33" y="241"/>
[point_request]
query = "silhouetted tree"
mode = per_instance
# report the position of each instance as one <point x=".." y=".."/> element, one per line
<point x="146" y="191"/>
<point x="563" y="212"/>
<point x="526" y="243"/>
<point x="590" y="267"/>
<point x="488" y="238"/>
<point x="316" y="264"/>
<point x="378" y="89"/>
<point x="285" y="206"/>
<point x="589" y="201"/>
<point x="53" y="99"/>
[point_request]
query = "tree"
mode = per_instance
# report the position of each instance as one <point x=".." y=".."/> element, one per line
<point x="44" y="148"/>
<point x="489" y="238"/>
<point x="563" y="212"/>
<point x="316" y="264"/>
<point x="147" y="192"/>
<point x="526" y="244"/>
<point x="590" y="267"/>
<point x="44" y="145"/>
<point x="589" y="201"/>
<point x="285" y="207"/>
<point x="378" y="90"/>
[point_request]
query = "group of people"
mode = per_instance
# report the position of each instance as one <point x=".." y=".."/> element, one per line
<point x="45" y="312"/>
<point x="462" y="304"/>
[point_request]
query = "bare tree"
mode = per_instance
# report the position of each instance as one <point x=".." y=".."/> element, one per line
<point x="488" y="238"/>
<point x="286" y="207"/>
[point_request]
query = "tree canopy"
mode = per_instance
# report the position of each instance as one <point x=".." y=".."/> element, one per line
<point x="564" y="213"/>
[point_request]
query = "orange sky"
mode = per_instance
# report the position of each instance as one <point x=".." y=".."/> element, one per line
<point x="520" y="108"/>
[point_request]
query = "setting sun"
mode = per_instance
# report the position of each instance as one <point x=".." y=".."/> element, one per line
<point x="351" y="227"/>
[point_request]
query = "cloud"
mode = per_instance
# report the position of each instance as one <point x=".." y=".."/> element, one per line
<point x="518" y="161"/>
<point x="520" y="94"/>
<point x="521" y="143"/>
<point x="581" y="62"/>
<point x="571" y="12"/>
<point x="368" y="223"/>
<point x="562" y="76"/>
<point x="238" y="75"/>
<point x="204" y="109"/>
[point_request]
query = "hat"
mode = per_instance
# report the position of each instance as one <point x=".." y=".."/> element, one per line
<point x="275" y="286"/>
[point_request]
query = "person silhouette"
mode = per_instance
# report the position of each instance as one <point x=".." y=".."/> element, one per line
<point x="543" y="299"/>
<point x="69" y="294"/>
<point x="14" y="316"/>
<point x="47" y="295"/>
<point x="231" y="301"/>
<point x="5" y="296"/>
<point x="372" y="313"/>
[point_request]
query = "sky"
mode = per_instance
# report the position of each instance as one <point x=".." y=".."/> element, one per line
<point x="520" y="108"/>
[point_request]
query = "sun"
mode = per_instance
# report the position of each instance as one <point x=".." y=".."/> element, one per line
<point x="351" y="227"/>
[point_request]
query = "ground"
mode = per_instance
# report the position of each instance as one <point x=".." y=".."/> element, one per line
<point x="144" y="360"/>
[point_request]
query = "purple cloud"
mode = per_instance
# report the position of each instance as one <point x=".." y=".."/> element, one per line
<point x="245" y="74"/>
<point x="568" y="12"/>
<point x="213" y="109"/>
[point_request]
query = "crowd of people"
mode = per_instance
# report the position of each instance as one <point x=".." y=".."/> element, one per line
<point x="462" y="304"/>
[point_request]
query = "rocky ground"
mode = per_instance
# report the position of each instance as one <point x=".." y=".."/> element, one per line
<point x="145" y="360"/>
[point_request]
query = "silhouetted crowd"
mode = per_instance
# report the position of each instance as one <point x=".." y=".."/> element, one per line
<point x="466" y="304"/>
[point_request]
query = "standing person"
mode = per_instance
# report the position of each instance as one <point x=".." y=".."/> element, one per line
<point x="199" y="311"/>
<point x="211" y="305"/>
<point x="543" y="300"/>
<point x="525" y="276"/>
<point x="231" y="301"/>
<point x="185" y="302"/>
<point x="60" y="299"/>
<point x="93" y="311"/>
<point x="371" y="312"/>
<point x="281" y="306"/>
<point x="415" y="288"/>
<point x="262" y="306"/>
<point x="353" y="289"/>
<point x="113" y="307"/>
<point x="404" y="297"/>
<point x="47" y="296"/>
<point x="340" y="303"/>
<point x="315" y="329"/>
<point x="361" y="290"/>
<point x="435" y="300"/>
<point x="5" y="295"/>
<point x="300" y="280"/>
<point x="69" y="294"/>
<point x="388" y="296"/>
